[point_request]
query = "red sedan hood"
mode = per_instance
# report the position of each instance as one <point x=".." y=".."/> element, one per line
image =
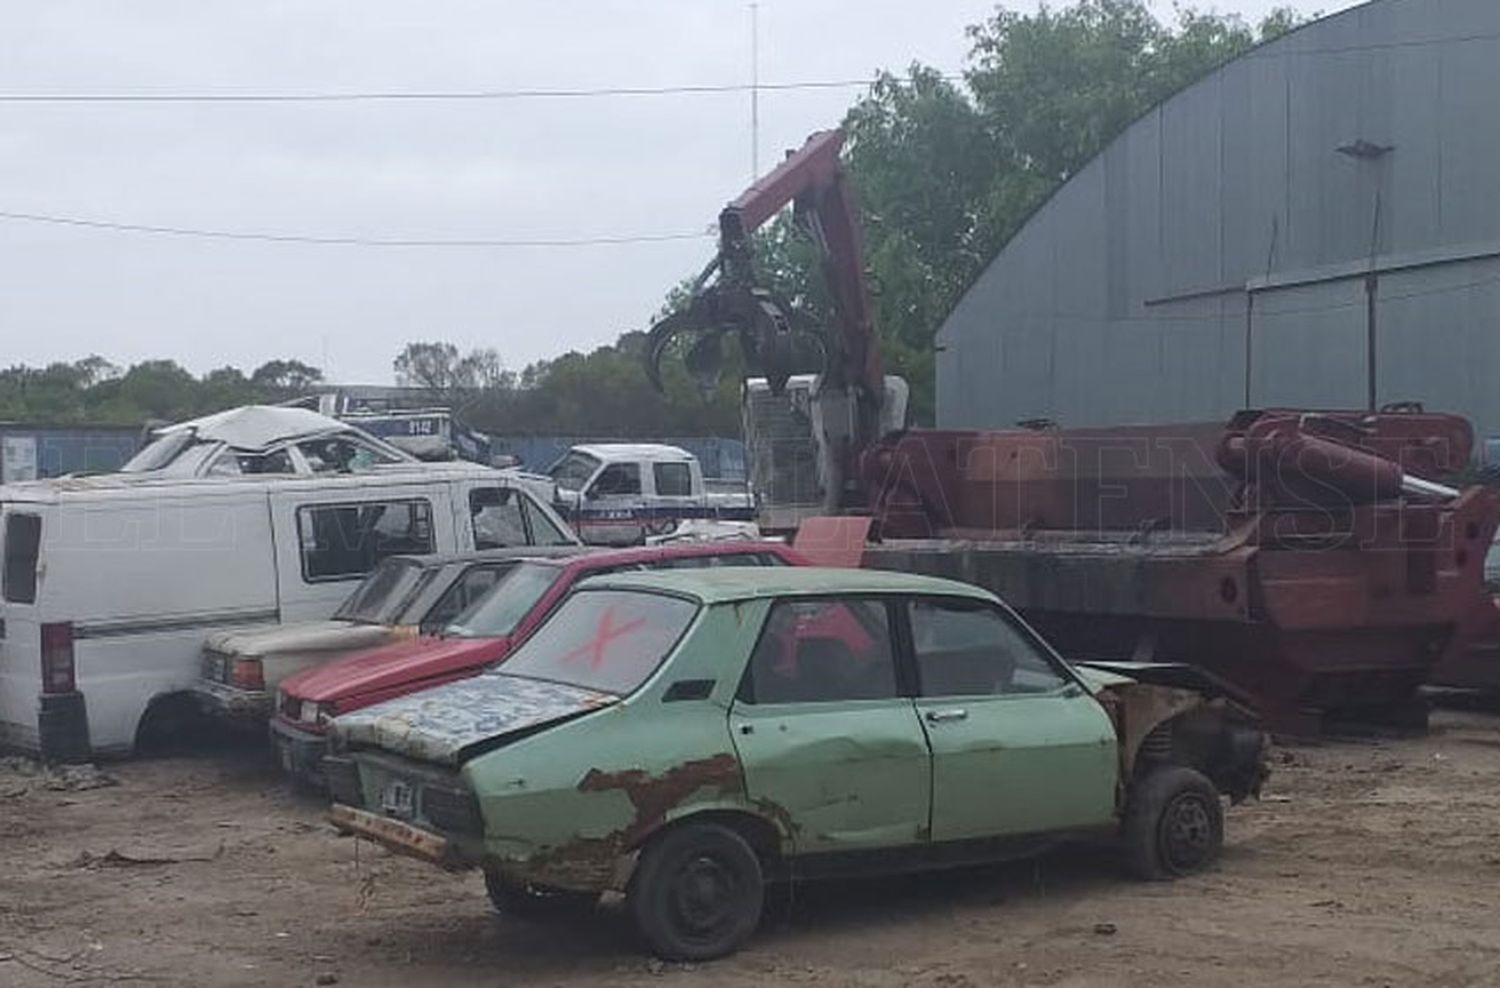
<point x="405" y="663"/>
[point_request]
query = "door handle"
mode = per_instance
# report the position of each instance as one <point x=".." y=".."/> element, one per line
<point x="946" y="716"/>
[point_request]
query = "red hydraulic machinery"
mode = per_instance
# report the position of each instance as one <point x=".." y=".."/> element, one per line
<point x="1323" y="561"/>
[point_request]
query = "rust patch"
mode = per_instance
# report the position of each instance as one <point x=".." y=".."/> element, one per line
<point x="654" y="796"/>
<point x="590" y="863"/>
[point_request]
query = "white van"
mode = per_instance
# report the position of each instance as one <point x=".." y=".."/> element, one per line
<point x="111" y="583"/>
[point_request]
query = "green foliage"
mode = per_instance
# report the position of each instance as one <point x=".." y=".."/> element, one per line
<point x="95" y="391"/>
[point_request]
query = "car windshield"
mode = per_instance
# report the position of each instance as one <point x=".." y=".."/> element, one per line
<point x="160" y="452"/>
<point x="605" y="640"/>
<point x="574" y="470"/>
<point x="379" y="595"/>
<point x="497" y="613"/>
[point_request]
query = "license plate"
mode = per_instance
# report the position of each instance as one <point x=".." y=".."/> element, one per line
<point x="397" y="800"/>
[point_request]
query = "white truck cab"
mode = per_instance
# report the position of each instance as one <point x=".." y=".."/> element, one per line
<point x="629" y="493"/>
<point x="111" y="583"/>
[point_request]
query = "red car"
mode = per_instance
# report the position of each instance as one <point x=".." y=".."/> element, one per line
<point x="478" y="638"/>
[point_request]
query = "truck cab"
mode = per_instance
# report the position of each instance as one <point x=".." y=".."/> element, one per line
<point x="629" y="493"/>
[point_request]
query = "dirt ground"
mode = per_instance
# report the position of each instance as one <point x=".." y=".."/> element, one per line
<point x="1370" y="862"/>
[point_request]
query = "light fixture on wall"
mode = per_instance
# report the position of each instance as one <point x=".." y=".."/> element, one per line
<point x="1365" y="150"/>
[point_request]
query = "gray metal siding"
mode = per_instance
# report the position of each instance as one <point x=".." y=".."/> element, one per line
<point x="63" y="449"/>
<point x="1125" y="298"/>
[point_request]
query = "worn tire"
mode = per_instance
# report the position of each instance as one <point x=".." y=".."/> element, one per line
<point x="697" y="893"/>
<point x="534" y="902"/>
<point x="1174" y="824"/>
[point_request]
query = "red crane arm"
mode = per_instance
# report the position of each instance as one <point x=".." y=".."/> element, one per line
<point x="814" y="180"/>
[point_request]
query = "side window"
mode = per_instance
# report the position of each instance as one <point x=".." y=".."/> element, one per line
<point x="673" y="479"/>
<point x="233" y="463"/>
<point x="342" y="541"/>
<point x="496" y="515"/>
<point x="23" y="543"/>
<point x="544" y="530"/>
<point x="475" y="582"/>
<point x="340" y="454"/>
<point x="822" y="650"/>
<point x="618" y="478"/>
<point x="967" y="648"/>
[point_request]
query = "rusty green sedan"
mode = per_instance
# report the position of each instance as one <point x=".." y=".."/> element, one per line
<point x="688" y="738"/>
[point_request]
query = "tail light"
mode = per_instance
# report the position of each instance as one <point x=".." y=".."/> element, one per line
<point x="247" y="674"/>
<point x="57" y="658"/>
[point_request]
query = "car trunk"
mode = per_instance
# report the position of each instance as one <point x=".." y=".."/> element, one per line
<point x="448" y="724"/>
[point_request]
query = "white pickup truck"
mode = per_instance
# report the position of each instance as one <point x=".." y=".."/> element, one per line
<point x="630" y="493"/>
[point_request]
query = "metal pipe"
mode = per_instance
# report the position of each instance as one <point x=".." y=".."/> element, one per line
<point x="1418" y="487"/>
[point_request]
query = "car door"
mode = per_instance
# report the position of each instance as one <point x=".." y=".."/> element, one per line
<point x="823" y="731"/>
<point x="611" y="510"/>
<point x="1018" y="746"/>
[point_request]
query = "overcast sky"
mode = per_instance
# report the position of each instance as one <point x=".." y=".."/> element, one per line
<point x="510" y="170"/>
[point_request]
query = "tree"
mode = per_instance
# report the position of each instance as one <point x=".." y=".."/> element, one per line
<point x="283" y="376"/>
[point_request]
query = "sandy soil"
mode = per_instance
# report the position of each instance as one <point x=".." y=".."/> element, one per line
<point x="1369" y="863"/>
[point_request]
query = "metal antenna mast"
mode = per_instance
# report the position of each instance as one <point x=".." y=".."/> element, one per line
<point x="754" y="91"/>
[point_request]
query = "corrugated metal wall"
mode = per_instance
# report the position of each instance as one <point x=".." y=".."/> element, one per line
<point x="1218" y="253"/>
<point x="53" y="451"/>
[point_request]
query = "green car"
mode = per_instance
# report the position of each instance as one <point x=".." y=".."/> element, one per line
<point x="688" y="737"/>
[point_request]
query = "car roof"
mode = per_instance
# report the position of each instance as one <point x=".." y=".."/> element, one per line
<point x="610" y="558"/>
<point x="748" y="582"/>
<point x="559" y="552"/>
<point x="634" y="451"/>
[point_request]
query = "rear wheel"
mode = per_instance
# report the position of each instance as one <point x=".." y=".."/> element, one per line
<point x="1174" y="824"/>
<point x="525" y="900"/>
<point x="697" y="893"/>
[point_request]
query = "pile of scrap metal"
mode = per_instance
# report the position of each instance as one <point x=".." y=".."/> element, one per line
<point x="1311" y="558"/>
<point x="1315" y="559"/>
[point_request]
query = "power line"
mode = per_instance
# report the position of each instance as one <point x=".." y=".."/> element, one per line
<point x="297" y="238"/>
<point x="439" y="95"/>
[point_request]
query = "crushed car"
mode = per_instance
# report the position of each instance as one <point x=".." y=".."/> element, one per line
<point x="687" y="739"/>
<point x="467" y="643"/>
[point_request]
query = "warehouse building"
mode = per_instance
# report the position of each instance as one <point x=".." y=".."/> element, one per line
<point x="1315" y="224"/>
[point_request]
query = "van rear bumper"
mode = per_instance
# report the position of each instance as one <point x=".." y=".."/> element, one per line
<point x="62" y="727"/>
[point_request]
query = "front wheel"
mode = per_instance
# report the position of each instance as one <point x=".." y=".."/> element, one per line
<point x="1174" y="824"/>
<point x="524" y="900"/>
<point x="697" y="893"/>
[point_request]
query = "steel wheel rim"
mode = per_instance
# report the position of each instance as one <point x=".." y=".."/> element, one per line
<point x="705" y="898"/>
<point x="1186" y="832"/>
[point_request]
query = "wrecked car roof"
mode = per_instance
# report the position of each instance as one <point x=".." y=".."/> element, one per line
<point x="744" y="583"/>
<point x="255" y="427"/>
<point x="441" y="724"/>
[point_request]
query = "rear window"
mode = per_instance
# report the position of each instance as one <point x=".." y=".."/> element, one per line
<point x="378" y="598"/>
<point x="23" y="540"/>
<point x="605" y="640"/>
<point x="673" y="479"/>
